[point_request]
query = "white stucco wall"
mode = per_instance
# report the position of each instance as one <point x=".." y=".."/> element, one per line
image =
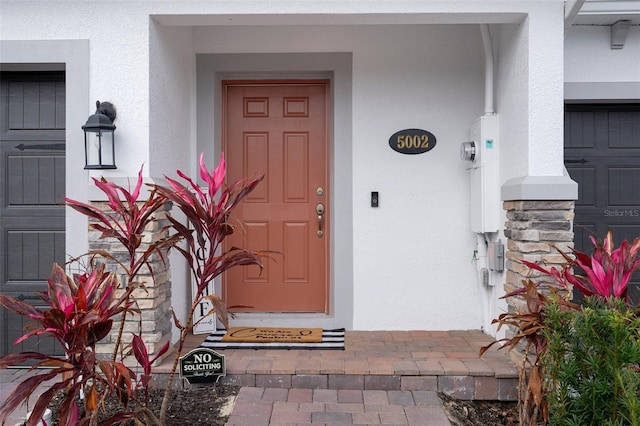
<point x="119" y="71"/>
<point x="511" y="91"/>
<point x="589" y="57"/>
<point x="545" y="98"/>
<point x="594" y="72"/>
<point x="171" y="100"/>
<point x="172" y="129"/>
<point x="412" y="259"/>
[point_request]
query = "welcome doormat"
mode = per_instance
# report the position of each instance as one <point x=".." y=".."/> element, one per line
<point x="273" y="334"/>
<point x="331" y="339"/>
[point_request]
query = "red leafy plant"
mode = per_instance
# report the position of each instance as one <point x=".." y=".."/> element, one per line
<point x="126" y="221"/>
<point x="607" y="272"/>
<point x="208" y="212"/>
<point x="81" y="312"/>
<point x="528" y="325"/>
<point x="145" y="361"/>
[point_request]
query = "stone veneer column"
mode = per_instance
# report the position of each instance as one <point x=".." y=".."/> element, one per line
<point x="154" y="302"/>
<point x="530" y="228"/>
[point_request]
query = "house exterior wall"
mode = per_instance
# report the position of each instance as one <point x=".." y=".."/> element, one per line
<point x="407" y="264"/>
<point x="596" y="73"/>
<point x="397" y="83"/>
<point x="172" y="127"/>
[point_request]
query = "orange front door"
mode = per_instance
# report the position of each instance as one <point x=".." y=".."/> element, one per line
<point x="279" y="129"/>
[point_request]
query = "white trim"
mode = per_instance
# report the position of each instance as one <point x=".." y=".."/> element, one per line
<point x="614" y="91"/>
<point x="610" y="7"/>
<point x="540" y="188"/>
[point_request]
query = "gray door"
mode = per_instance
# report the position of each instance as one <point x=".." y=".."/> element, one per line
<point x="32" y="152"/>
<point x="602" y="154"/>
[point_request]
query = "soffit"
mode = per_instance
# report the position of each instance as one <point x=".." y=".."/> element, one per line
<point x="608" y="12"/>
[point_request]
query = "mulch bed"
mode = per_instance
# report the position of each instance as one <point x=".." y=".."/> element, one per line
<point x="207" y="405"/>
<point x="480" y="413"/>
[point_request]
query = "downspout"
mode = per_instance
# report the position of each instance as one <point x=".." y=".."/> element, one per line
<point x="488" y="69"/>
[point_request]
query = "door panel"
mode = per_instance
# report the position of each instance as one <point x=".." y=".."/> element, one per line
<point x="279" y="129"/>
<point x="32" y="187"/>
<point x="602" y="154"/>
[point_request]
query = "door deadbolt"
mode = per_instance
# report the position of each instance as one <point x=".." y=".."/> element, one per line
<point x="319" y="192"/>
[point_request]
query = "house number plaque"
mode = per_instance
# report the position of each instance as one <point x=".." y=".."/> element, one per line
<point x="412" y="141"/>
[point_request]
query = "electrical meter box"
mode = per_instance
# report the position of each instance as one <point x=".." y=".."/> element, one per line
<point x="484" y="175"/>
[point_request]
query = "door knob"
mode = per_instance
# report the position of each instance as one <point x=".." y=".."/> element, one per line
<point x="320" y="212"/>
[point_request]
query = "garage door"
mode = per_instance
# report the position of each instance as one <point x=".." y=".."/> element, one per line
<point x="32" y="148"/>
<point x="602" y="154"/>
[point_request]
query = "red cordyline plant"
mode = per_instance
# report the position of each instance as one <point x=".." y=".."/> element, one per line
<point x="528" y="325"/>
<point x="81" y="311"/>
<point x="607" y="273"/>
<point x="126" y="222"/>
<point x="78" y="322"/>
<point x="208" y="211"/>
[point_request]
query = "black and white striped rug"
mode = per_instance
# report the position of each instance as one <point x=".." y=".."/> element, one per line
<point x="331" y="339"/>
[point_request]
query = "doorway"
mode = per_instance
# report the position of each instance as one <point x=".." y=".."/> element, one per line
<point x="279" y="128"/>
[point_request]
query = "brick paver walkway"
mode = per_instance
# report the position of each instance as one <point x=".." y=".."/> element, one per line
<point x="271" y="406"/>
<point x="445" y="361"/>
<point x="9" y="380"/>
<point x="382" y="377"/>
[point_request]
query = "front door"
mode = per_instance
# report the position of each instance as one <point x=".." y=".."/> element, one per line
<point x="32" y="187"/>
<point x="279" y="129"/>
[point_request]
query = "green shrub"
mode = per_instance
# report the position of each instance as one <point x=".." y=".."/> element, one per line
<point x="592" y="363"/>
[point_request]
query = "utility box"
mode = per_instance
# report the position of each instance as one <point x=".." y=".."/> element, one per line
<point x="484" y="174"/>
<point x="495" y="256"/>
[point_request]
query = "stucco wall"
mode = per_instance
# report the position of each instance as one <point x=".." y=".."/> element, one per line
<point x="412" y="259"/>
<point x="171" y="100"/>
<point x="118" y="51"/>
<point x="172" y="129"/>
<point x="594" y="72"/>
<point x="588" y="55"/>
<point x="511" y="93"/>
<point x="545" y="90"/>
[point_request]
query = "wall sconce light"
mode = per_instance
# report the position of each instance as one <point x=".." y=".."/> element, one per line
<point x="99" y="147"/>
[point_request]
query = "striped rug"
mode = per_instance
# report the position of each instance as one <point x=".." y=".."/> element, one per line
<point x="331" y="339"/>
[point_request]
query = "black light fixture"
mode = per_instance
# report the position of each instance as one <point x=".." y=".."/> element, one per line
<point x="99" y="147"/>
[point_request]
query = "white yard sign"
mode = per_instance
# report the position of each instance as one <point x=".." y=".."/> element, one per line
<point x="203" y="323"/>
